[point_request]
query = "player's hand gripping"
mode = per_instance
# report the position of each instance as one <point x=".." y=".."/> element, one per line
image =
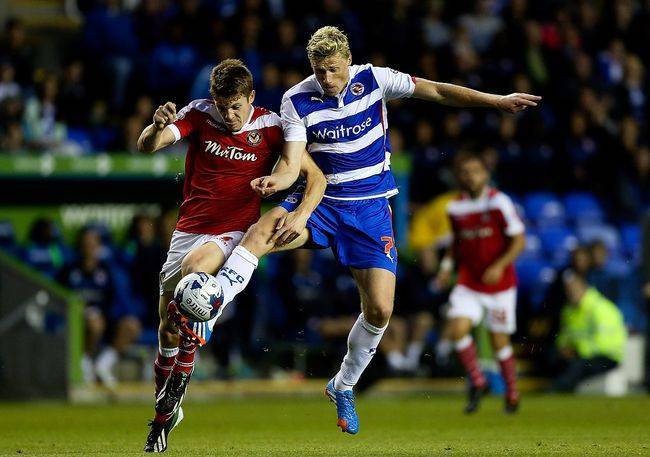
<point x="265" y="186"/>
<point x="164" y="115"/>
<point x="289" y="228"/>
<point x="516" y="102"/>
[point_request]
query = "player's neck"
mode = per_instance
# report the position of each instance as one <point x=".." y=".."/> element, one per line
<point x="479" y="193"/>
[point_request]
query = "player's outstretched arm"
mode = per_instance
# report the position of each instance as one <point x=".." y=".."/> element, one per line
<point x="156" y="136"/>
<point x="453" y="95"/>
<point x="293" y="224"/>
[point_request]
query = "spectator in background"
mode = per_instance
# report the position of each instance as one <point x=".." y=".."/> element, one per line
<point x="136" y="122"/>
<point x="177" y="60"/>
<point x="98" y="285"/>
<point x="43" y="130"/>
<point x="599" y="277"/>
<point x="111" y="42"/>
<point x="482" y="25"/>
<point x="44" y="250"/>
<point x="73" y="99"/>
<point x="12" y="140"/>
<point x="435" y="31"/>
<point x="592" y="334"/>
<point x="145" y="255"/>
<point x="269" y="95"/>
<point x="15" y="48"/>
<point x="9" y="88"/>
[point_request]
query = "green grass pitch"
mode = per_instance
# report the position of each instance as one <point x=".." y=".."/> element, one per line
<point x="402" y="426"/>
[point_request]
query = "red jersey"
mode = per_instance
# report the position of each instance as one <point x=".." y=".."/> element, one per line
<point x="481" y="229"/>
<point x="220" y="165"/>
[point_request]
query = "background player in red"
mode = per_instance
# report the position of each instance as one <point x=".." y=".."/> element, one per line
<point x="231" y="142"/>
<point x="488" y="237"/>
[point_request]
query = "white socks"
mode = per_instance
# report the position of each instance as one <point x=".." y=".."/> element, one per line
<point x="362" y="345"/>
<point x="504" y="353"/>
<point x="167" y="352"/>
<point x="236" y="273"/>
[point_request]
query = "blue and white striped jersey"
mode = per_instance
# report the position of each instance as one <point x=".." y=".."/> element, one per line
<point x="347" y="135"/>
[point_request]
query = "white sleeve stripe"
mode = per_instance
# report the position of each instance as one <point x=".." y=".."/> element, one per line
<point x="175" y="131"/>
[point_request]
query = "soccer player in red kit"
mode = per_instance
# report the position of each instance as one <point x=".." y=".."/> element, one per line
<point x="488" y="235"/>
<point x="231" y="144"/>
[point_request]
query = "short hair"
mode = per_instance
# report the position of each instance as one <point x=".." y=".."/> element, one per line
<point x="466" y="156"/>
<point x="230" y="79"/>
<point x="326" y="42"/>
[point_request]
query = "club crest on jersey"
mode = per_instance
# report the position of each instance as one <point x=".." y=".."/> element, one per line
<point x="254" y="137"/>
<point x="357" y="89"/>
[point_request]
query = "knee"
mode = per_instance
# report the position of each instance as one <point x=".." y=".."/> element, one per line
<point x="257" y="239"/>
<point x="378" y="312"/>
<point x="458" y="330"/>
<point x="192" y="262"/>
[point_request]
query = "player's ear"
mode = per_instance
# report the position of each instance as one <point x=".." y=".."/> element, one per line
<point x="350" y="60"/>
<point x="251" y="97"/>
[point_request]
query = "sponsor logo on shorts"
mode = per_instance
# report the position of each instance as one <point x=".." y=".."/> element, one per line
<point x="389" y="244"/>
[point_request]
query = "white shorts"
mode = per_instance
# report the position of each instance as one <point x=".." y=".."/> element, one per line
<point x="182" y="243"/>
<point x="501" y="308"/>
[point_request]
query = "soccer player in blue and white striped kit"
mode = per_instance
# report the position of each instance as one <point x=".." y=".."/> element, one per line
<point x="339" y="115"/>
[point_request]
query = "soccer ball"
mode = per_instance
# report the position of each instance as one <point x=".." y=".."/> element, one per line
<point x="199" y="296"/>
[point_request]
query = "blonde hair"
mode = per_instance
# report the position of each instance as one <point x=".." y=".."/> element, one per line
<point x="326" y="42"/>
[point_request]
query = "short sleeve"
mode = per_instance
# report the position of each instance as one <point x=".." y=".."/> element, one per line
<point x="514" y="225"/>
<point x="184" y="124"/>
<point x="394" y="84"/>
<point x="292" y="126"/>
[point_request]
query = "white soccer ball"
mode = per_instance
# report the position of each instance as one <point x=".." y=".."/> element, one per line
<point x="199" y="296"/>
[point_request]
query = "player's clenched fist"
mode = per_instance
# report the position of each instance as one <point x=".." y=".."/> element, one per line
<point x="164" y="115"/>
<point x="264" y="186"/>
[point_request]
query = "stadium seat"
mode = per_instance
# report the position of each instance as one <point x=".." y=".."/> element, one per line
<point x="7" y="237"/>
<point x="544" y="209"/>
<point x="535" y="277"/>
<point x="583" y="207"/>
<point x="631" y="240"/>
<point x="533" y="249"/>
<point x="557" y="244"/>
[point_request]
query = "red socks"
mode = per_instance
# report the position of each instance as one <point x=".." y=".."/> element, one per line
<point x="509" y="372"/>
<point x="466" y="352"/>
<point x="185" y="357"/>
<point x="163" y="366"/>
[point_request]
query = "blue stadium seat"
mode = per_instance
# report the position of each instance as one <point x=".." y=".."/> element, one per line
<point x="583" y="207"/>
<point x="544" y="209"/>
<point x="533" y="249"/>
<point x="81" y="137"/>
<point x="7" y="237"/>
<point x="557" y="244"/>
<point x="631" y="240"/>
<point x="608" y="234"/>
<point x="535" y="277"/>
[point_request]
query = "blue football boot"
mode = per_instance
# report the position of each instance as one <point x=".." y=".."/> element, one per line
<point x="345" y="409"/>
